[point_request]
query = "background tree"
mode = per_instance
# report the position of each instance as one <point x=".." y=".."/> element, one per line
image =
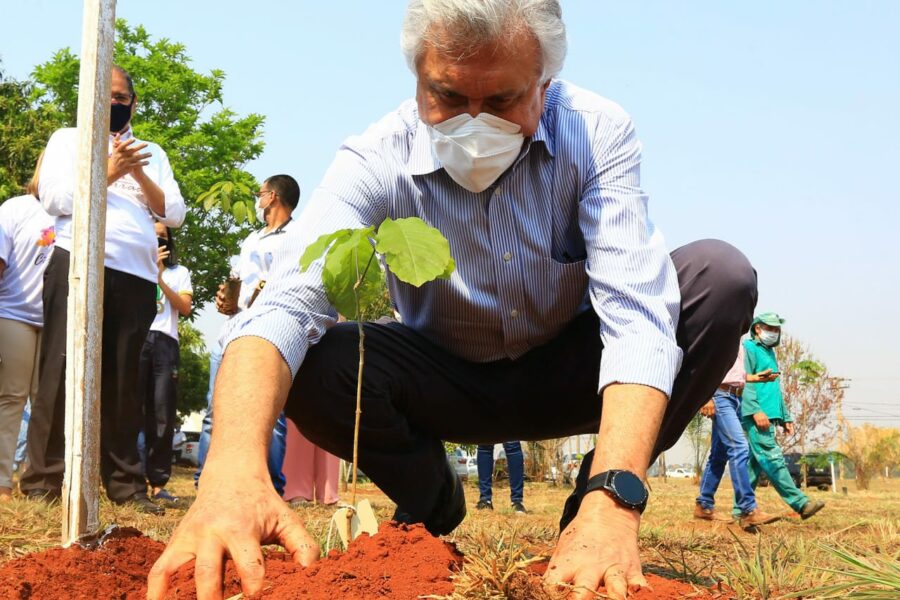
<point x="870" y="449"/>
<point x="812" y="396"/>
<point x="698" y="433"/>
<point x="25" y="128"/>
<point x="193" y="372"/>
<point x="180" y="109"/>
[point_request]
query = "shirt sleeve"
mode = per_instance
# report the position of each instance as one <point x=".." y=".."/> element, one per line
<point x="175" y="208"/>
<point x="293" y="312"/>
<point x="56" y="182"/>
<point x="6" y="234"/>
<point x="633" y="284"/>
<point x="184" y="282"/>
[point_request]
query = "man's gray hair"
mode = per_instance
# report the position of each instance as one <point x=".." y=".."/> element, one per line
<point x="464" y="26"/>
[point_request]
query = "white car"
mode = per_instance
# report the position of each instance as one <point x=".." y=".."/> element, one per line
<point x="459" y="462"/>
<point x="679" y="473"/>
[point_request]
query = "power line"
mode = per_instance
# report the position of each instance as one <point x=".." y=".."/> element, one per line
<point x="878" y="412"/>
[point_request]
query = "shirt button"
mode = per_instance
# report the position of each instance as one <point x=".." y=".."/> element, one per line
<point x="513" y="313"/>
<point x="507" y="256"/>
<point x="498" y="191"/>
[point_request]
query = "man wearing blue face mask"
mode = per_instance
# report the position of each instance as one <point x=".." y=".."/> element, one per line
<point x="566" y="314"/>
<point x="763" y="409"/>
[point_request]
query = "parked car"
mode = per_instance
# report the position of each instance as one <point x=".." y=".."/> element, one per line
<point x="818" y="471"/>
<point x="459" y="462"/>
<point x="680" y="473"/>
<point x="186" y="447"/>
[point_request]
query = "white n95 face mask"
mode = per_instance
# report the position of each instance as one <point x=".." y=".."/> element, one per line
<point x="769" y="338"/>
<point x="476" y="151"/>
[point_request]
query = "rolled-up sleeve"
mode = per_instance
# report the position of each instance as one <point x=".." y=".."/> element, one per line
<point x="175" y="208"/>
<point x="56" y="180"/>
<point x="633" y="283"/>
<point x="293" y="312"/>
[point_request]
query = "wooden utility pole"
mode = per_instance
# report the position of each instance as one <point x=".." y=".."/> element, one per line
<point x="81" y="486"/>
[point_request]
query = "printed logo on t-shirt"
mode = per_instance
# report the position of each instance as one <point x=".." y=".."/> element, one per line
<point x="48" y="237"/>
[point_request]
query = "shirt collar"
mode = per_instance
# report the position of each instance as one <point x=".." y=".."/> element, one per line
<point x="422" y="160"/>
<point x="543" y="133"/>
<point x="123" y="135"/>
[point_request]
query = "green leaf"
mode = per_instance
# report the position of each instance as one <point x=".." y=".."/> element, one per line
<point x="239" y="210"/>
<point x="345" y="263"/>
<point x="315" y="250"/>
<point x="414" y="251"/>
<point x="210" y="201"/>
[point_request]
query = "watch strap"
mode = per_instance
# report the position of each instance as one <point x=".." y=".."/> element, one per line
<point x="605" y="481"/>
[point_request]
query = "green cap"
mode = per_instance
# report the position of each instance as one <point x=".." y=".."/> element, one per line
<point x="769" y="318"/>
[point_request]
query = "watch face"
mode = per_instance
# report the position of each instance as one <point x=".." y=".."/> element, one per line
<point x="629" y="487"/>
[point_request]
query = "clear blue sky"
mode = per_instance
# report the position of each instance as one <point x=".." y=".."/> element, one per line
<point x="771" y="125"/>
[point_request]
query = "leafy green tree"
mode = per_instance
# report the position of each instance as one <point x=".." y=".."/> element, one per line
<point x="24" y="130"/>
<point x="178" y="108"/>
<point x="193" y="372"/>
<point x="812" y="395"/>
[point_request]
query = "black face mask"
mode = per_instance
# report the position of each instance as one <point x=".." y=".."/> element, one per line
<point x="119" y="115"/>
<point x="168" y="261"/>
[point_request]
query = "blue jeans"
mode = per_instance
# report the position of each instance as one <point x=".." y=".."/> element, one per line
<point x="23" y="436"/>
<point x="729" y="444"/>
<point x="515" y="462"/>
<point x="277" y="446"/>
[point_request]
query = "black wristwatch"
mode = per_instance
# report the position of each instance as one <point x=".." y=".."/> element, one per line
<point x="624" y="487"/>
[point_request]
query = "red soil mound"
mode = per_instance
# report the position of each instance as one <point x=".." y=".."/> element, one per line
<point x="400" y="562"/>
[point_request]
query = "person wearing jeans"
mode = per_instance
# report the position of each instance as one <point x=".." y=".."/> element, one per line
<point x="515" y="462"/>
<point x="729" y="445"/>
<point x="158" y="366"/>
<point x="277" y="198"/>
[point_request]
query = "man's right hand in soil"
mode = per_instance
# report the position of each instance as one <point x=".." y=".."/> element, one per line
<point x="237" y="508"/>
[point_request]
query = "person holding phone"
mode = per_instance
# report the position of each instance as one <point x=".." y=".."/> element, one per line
<point x="763" y="408"/>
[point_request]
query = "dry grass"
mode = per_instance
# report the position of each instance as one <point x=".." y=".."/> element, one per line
<point x="784" y="558"/>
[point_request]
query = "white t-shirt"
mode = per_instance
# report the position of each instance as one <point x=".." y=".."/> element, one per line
<point x="255" y="260"/>
<point x="26" y="242"/>
<point x="179" y="279"/>
<point x="130" y="237"/>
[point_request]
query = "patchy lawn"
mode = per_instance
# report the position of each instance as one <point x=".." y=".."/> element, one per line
<point x="782" y="558"/>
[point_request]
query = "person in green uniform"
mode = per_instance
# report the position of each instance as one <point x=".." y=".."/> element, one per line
<point x="763" y="408"/>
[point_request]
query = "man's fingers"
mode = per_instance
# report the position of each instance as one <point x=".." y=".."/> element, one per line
<point x="585" y="585"/>
<point x="637" y="581"/>
<point x="615" y="582"/>
<point x="296" y="540"/>
<point x="209" y="570"/>
<point x="248" y="560"/>
<point x="165" y="566"/>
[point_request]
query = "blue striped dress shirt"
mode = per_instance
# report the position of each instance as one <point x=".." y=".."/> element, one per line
<point x="564" y="228"/>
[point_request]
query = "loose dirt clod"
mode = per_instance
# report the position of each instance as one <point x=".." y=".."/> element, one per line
<point x="402" y="562"/>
